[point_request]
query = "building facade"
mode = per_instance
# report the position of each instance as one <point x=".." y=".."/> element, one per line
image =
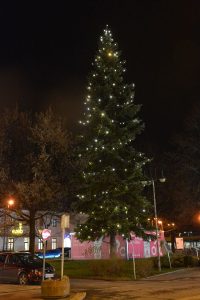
<point x="14" y="233"/>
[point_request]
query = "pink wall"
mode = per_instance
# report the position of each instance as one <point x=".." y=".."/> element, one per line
<point x="137" y="247"/>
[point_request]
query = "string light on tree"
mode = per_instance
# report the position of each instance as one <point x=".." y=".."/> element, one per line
<point x="109" y="137"/>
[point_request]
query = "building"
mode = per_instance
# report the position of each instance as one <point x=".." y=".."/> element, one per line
<point x="14" y="233"/>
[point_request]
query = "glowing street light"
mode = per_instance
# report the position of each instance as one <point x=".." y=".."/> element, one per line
<point x="9" y="203"/>
<point x="161" y="224"/>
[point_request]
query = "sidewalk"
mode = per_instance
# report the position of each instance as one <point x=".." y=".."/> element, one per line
<point x="16" y="292"/>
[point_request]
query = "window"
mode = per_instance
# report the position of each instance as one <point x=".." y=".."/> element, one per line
<point x="54" y="222"/>
<point x="53" y="243"/>
<point x="10" y="244"/>
<point x="40" y="244"/>
<point x="26" y="243"/>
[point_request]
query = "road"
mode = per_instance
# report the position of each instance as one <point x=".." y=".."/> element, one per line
<point x="182" y="284"/>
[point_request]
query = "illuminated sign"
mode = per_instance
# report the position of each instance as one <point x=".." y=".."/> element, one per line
<point x="18" y="231"/>
<point x="179" y="243"/>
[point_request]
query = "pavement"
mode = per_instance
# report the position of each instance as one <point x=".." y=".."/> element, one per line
<point x="17" y="292"/>
<point x="183" y="284"/>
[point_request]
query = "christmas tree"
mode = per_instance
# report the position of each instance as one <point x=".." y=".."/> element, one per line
<point x="111" y="193"/>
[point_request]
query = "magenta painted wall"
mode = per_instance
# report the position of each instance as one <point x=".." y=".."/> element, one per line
<point x="137" y="248"/>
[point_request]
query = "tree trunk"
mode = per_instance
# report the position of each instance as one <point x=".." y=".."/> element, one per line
<point x="32" y="232"/>
<point x="112" y="245"/>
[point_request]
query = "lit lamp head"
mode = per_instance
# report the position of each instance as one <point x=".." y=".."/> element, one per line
<point x="10" y="202"/>
<point x="162" y="180"/>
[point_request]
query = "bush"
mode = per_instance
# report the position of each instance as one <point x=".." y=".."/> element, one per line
<point x="179" y="260"/>
<point x="117" y="268"/>
<point x="111" y="267"/>
<point x="123" y="269"/>
<point x="144" y="267"/>
<point x="191" y="261"/>
<point x="165" y="261"/>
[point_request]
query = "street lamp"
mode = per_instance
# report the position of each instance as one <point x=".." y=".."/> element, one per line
<point x="160" y="222"/>
<point x="156" y="219"/>
<point x="9" y="203"/>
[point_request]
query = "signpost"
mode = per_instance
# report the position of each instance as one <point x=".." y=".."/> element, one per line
<point x="46" y="233"/>
<point x="64" y="225"/>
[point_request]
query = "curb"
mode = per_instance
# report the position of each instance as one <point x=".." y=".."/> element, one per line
<point x="162" y="274"/>
<point x="78" y="296"/>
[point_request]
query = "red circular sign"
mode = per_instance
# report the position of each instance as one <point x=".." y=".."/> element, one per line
<point x="46" y="233"/>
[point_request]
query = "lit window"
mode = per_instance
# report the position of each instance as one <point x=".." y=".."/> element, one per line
<point x="53" y="243"/>
<point x="10" y="244"/>
<point x="40" y="244"/>
<point x="54" y="223"/>
<point x="26" y="243"/>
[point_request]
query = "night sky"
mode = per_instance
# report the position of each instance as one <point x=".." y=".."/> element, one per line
<point x="47" y="48"/>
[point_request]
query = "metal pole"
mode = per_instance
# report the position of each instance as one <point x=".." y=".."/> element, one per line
<point x="4" y="231"/>
<point x="133" y="257"/>
<point x="44" y="253"/>
<point x="156" y="219"/>
<point x="62" y="258"/>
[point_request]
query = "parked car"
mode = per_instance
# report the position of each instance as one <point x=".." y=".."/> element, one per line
<point x="55" y="253"/>
<point x="23" y="267"/>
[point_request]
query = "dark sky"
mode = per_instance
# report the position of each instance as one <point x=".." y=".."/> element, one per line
<point x="47" y="48"/>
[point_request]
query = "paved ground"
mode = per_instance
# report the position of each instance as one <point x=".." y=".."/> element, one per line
<point x="183" y="284"/>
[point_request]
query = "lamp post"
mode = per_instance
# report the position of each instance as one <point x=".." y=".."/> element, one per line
<point x="156" y="219"/>
<point x="10" y="203"/>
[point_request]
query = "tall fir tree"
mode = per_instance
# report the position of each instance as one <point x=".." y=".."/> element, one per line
<point x="111" y="193"/>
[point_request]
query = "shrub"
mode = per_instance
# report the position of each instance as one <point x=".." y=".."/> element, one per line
<point x="177" y="260"/>
<point x="180" y="260"/>
<point x="116" y="268"/>
<point x="111" y="267"/>
<point x="165" y="261"/>
<point x="144" y="267"/>
<point x="191" y="261"/>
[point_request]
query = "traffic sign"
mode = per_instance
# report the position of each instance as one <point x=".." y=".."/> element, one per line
<point x="46" y="233"/>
